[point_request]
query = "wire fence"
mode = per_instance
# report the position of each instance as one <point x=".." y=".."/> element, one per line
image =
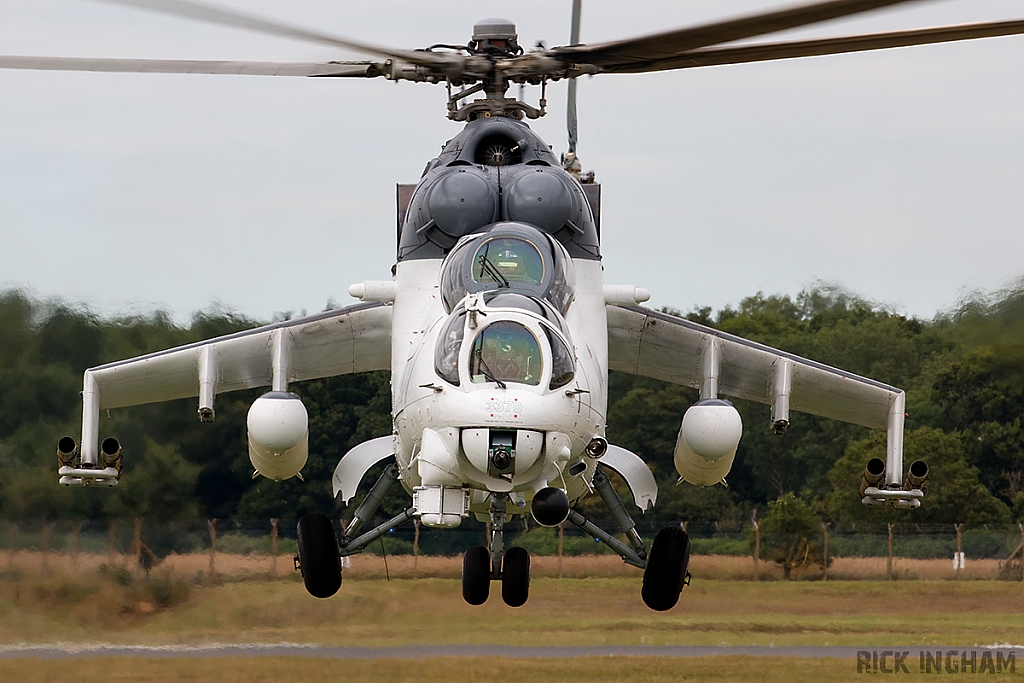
<point x="222" y="546"/>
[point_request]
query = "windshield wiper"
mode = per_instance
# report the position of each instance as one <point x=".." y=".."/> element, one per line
<point x="486" y="266"/>
<point x="478" y="356"/>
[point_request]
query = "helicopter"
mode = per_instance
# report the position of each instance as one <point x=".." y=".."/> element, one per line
<point x="496" y="325"/>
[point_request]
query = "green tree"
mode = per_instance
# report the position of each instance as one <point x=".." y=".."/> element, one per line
<point x="789" y="534"/>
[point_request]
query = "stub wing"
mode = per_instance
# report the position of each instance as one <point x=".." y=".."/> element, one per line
<point x="337" y="342"/>
<point x="652" y="344"/>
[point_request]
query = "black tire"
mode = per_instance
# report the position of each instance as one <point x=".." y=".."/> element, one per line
<point x="666" y="569"/>
<point x="319" y="560"/>
<point x="476" y="575"/>
<point x="515" y="577"/>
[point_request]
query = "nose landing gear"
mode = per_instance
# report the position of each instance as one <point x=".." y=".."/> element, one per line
<point x="481" y="565"/>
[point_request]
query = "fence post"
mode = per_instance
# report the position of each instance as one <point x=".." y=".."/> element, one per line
<point x="76" y="527"/>
<point x="561" y="546"/>
<point x="111" y="541"/>
<point x="10" y="544"/>
<point x="416" y="545"/>
<point x="137" y="542"/>
<point x="757" y="544"/>
<point x="1021" y="551"/>
<point x="888" y="562"/>
<point x="45" y="543"/>
<point x="824" y="551"/>
<point x="212" y="524"/>
<point x="273" y="547"/>
<point x="959" y="550"/>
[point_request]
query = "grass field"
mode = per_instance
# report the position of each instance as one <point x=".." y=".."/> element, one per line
<point x="580" y="566"/>
<point x="376" y="612"/>
<point x="301" y="670"/>
<point x="42" y="601"/>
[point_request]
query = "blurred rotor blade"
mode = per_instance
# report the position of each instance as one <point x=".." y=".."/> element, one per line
<point x="184" y="66"/>
<point x="224" y="17"/>
<point x="829" y="46"/>
<point x="570" y="110"/>
<point x="618" y="55"/>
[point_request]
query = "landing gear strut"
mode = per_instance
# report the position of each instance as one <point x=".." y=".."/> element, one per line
<point x="665" y="568"/>
<point x="320" y="551"/>
<point x="481" y="565"/>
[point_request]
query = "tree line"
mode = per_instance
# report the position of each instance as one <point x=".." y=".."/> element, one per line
<point x="963" y="372"/>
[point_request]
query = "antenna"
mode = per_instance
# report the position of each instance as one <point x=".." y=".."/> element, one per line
<point x="570" y="162"/>
<point x="570" y="112"/>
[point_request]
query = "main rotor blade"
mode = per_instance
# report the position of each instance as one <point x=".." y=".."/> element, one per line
<point x="224" y="17"/>
<point x="182" y="66"/>
<point x="715" y="56"/>
<point x="617" y="55"/>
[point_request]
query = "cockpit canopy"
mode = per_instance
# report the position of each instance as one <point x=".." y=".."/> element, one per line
<point x="505" y="349"/>
<point x="509" y="258"/>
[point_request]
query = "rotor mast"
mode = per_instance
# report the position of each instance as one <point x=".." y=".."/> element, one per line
<point x="494" y="44"/>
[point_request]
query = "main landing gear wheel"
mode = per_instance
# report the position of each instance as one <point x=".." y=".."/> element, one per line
<point x="476" y="575"/>
<point x="515" y="577"/>
<point x="666" y="572"/>
<point x="319" y="559"/>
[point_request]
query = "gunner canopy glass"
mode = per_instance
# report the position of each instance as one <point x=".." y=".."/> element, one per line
<point x="505" y="351"/>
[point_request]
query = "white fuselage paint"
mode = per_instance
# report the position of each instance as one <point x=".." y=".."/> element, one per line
<point x="571" y="416"/>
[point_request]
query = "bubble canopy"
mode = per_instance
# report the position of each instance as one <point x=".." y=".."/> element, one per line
<point x="507" y="349"/>
<point x="509" y="257"/>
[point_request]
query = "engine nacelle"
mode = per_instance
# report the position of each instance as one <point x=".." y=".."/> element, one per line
<point x="707" y="443"/>
<point x="278" y="435"/>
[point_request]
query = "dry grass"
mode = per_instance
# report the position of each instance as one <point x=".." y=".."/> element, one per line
<point x="373" y="612"/>
<point x="719" y="567"/>
<point x="302" y="670"/>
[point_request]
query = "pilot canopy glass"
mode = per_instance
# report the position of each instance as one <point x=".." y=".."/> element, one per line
<point x="509" y="258"/>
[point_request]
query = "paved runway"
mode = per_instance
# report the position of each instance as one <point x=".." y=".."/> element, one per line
<point x="79" y="651"/>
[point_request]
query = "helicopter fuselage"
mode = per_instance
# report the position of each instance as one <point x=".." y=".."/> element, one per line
<point x="499" y="336"/>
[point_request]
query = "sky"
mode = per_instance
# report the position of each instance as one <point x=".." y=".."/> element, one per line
<point x="895" y="174"/>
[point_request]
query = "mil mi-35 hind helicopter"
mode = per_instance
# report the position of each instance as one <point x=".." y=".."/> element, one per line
<point x="497" y="326"/>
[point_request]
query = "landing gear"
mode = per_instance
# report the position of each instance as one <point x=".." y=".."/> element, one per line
<point x="320" y="552"/>
<point x="476" y="575"/>
<point x="515" y="577"/>
<point x="665" y="568"/>
<point x="481" y="565"/>
<point x="318" y="557"/>
<point x="665" y="574"/>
